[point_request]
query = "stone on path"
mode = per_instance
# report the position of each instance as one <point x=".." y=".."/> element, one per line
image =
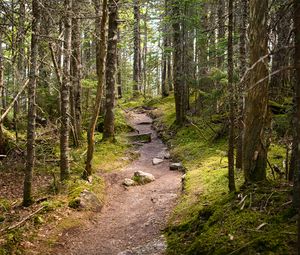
<point x="129" y="182"/>
<point x="143" y="178"/>
<point x="167" y="155"/>
<point x="176" y="167"/>
<point x="164" y="155"/>
<point x="157" y="161"/>
<point x="87" y="201"/>
<point x="157" y="246"/>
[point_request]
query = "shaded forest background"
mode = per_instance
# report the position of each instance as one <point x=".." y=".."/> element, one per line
<point x="222" y="73"/>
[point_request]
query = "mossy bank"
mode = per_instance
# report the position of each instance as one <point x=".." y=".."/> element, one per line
<point x="257" y="219"/>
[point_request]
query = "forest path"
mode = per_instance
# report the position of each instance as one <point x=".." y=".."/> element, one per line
<point x="131" y="220"/>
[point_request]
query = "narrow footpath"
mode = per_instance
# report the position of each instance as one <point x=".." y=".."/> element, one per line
<point x="132" y="218"/>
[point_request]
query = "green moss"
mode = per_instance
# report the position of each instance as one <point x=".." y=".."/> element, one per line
<point x="51" y="205"/>
<point x="76" y="186"/>
<point x="11" y="244"/>
<point x="132" y="103"/>
<point x="209" y="220"/>
<point x="74" y="203"/>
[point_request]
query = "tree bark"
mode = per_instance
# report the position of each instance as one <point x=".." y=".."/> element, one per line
<point x="2" y="149"/>
<point x="221" y="33"/>
<point x="145" y="54"/>
<point x="241" y="88"/>
<point x="119" y="73"/>
<point x="65" y="95"/>
<point x="100" y="58"/>
<point x="296" y="138"/>
<point x="279" y="82"/>
<point x="76" y="72"/>
<point x="111" y="70"/>
<point x="231" y="99"/>
<point x="30" y="157"/>
<point x="137" y="49"/>
<point x="164" y="81"/>
<point x="297" y="96"/>
<point x="179" y="90"/>
<point x="254" y="143"/>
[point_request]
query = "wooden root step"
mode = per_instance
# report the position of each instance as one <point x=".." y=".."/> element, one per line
<point x="142" y="138"/>
<point x="150" y="122"/>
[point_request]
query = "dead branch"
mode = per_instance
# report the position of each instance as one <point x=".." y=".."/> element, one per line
<point x="56" y="67"/>
<point x="272" y="169"/>
<point x="18" y="224"/>
<point x="270" y="75"/>
<point x="199" y="130"/>
<point x="14" y="101"/>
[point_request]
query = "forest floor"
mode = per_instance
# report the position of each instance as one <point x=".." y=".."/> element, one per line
<point x="132" y="218"/>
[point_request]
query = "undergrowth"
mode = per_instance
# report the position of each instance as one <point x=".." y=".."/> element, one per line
<point x="257" y="219"/>
<point x="56" y="198"/>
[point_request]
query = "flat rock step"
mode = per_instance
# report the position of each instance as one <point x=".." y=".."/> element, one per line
<point x="141" y="138"/>
<point x="176" y="167"/>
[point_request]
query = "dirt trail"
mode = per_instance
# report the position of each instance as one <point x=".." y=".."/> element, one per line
<point x="132" y="219"/>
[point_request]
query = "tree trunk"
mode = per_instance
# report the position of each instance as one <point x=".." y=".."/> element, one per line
<point x="240" y="89"/>
<point x="179" y="90"/>
<point x="221" y="33"/>
<point x="30" y="157"/>
<point x="65" y="95"/>
<point x="109" y="119"/>
<point x="137" y="49"/>
<point x="145" y="53"/>
<point x="297" y="96"/>
<point x="295" y="160"/>
<point x="100" y="58"/>
<point x="18" y="56"/>
<point x="76" y="73"/>
<point x="2" y="150"/>
<point x="164" y="81"/>
<point x="231" y="100"/>
<point x="256" y="107"/>
<point x="119" y="73"/>
<point x="86" y="52"/>
<point x="169" y="67"/>
<point x="279" y="82"/>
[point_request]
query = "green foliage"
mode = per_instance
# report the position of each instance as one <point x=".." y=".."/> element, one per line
<point x="52" y="205"/>
<point x="76" y="186"/>
<point x="281" y="124"/>
<point x="89" y="83"/>
<point x="74" y="203"/>
<point x="218" y="75"/>
<point x="11" y="244"/>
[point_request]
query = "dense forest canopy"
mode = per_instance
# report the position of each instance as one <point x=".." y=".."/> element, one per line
<point x="224" y="71"/>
